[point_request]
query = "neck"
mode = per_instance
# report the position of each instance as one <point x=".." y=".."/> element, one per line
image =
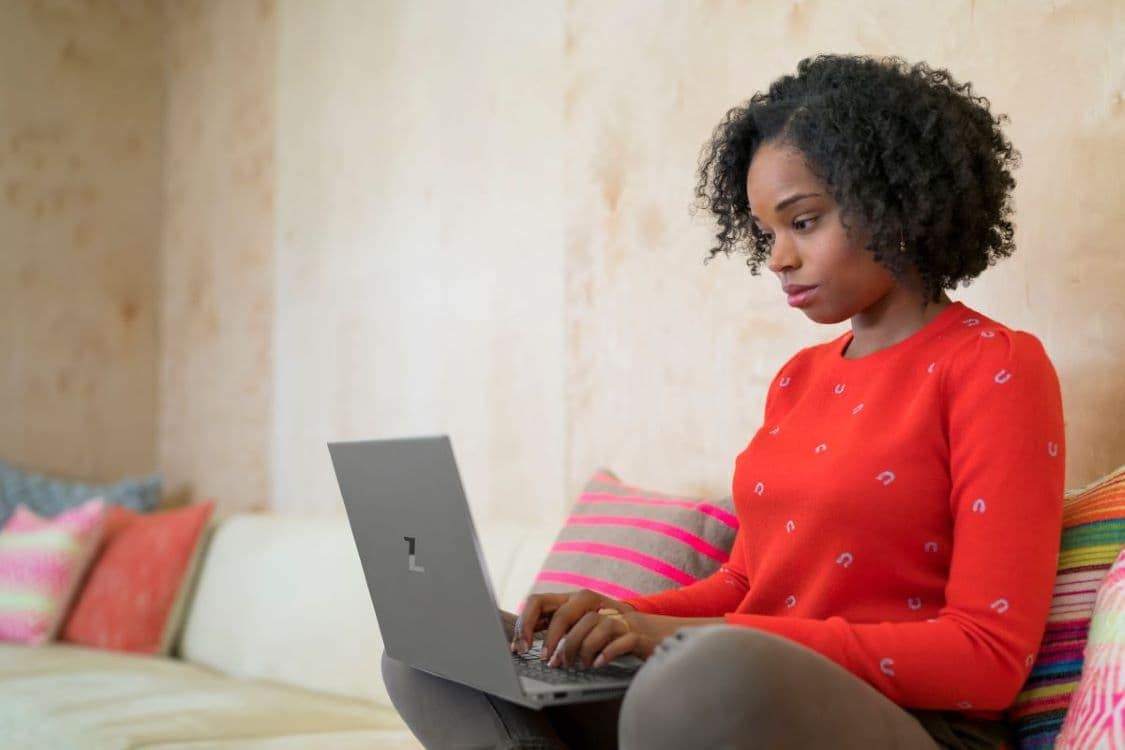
<point x="894" y="318"/>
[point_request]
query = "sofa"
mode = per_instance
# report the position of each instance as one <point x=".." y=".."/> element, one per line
<point x="279" y="649"/>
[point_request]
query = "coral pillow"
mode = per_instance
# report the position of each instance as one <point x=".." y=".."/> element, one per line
<point x="624" y="541"/>
<point x="1094" y="717"/>
<point x="1093" y="534"/>
<point x="129" y="599"/>
<point x="42" y="562"/>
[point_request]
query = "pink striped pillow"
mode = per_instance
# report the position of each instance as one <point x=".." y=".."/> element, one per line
<point x="42" y="562"/>
<point x="624" y="541"/>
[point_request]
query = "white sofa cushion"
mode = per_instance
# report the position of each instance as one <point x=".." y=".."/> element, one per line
<point x="66" y="697"/>
<point x="282" y="597"/>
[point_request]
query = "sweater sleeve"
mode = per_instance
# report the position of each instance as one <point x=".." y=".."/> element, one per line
<point x="713" y="596"/>
<point x="1004" y="424"/>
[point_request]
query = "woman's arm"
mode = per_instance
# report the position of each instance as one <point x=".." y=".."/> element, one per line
<point x="713" y="596"/>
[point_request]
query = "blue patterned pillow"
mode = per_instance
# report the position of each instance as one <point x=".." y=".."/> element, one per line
<point x="49" y="497"/>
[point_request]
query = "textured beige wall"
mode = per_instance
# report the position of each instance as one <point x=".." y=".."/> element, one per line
<point x="217" y="270"/>
<point x="81" y="98"/>
<point x="402" y="218"/>
<point x="420" y="252"/>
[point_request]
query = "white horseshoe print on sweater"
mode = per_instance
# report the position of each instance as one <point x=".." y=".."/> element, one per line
<point x="987" y="334"/>
<point x="914" y="603"/>
<point x="790" y="601"/>
<point x="820" y="448"/>
<point x="775" y="430"/>
<point x="979" y="505"/>
<point x="886" y="477"/>
<point x="1000" y="605"/>
<point x="965" y="705"/>
<point x="1003" y="376"/>
<point x="1052" y="449"/>
<point x="845" y="559"/>
<point x="887" y="666"/>
<point x="970" y="322"/>
<point x="930" y="369"/>
<point x="784" y="382"/>
<point x="858" y="408"/>
<point x="839" y="389"/>
<point x="789" y="526"/>
<point x="930" y="546"/>
<point x="759" y="489"/>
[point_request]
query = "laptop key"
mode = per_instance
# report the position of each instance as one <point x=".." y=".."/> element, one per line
<point x="533" y="667"/>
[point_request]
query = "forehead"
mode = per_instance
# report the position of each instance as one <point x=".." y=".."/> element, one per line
<point x="775" y="173"/>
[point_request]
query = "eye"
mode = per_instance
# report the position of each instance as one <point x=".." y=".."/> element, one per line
<point x="807" y="221"/>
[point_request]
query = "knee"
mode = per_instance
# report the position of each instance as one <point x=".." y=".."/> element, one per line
<point x="394" y="673"/>
<point x="704" y="687"/>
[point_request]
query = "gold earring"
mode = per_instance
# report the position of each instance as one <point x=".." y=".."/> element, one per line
<point x="901" y="243"/>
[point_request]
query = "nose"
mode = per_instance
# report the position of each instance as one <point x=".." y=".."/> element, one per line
<point x="783" y="257"/>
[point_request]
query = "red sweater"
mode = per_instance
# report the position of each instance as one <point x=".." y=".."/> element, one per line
<point x="901" y="513"/>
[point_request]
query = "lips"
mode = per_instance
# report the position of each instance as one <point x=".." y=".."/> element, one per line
<point x="798" y="295"/>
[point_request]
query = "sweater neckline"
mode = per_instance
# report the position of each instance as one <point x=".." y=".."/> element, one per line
<point x="940" y="323"/>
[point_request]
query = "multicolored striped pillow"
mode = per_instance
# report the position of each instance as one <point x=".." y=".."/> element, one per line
<point x="1094" y="717"/>
<point x="1093" y="535"/>
<point x="42" y="562"/>
<point x="624" y="541"/>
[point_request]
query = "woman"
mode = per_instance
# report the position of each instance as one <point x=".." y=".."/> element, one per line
<point x="900" y="506"/>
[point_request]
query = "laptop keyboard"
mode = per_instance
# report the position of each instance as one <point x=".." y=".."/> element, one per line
<point x="529" y="665"/>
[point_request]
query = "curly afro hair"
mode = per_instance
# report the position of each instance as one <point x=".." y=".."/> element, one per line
<point x="908" y="153"/>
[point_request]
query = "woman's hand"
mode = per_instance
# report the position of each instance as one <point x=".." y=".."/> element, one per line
<point x="558" y="613"/>
<point x="599" y="637"/>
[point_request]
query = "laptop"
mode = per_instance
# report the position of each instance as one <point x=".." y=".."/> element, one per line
<point x="427" y="578"/>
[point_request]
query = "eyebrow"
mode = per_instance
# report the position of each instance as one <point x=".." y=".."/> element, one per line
<point x="786" y="201"/>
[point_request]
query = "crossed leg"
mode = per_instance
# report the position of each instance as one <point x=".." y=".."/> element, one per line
<point x="722" y="687"/>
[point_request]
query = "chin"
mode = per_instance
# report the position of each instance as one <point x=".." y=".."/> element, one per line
<point x="825" y="317"/>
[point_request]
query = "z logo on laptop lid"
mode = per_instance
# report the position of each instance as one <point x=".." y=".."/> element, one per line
<point x="413" y="565"/>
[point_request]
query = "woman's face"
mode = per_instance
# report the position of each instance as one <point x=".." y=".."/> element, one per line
<point x="829" y="277"/>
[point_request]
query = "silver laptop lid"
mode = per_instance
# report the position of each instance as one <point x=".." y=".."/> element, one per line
<point x="422" y="561"/>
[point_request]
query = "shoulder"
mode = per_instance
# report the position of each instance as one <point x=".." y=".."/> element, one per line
<point x="796" y="375"/>
<point x="980" y="351"/>
<point x="808" y="359"/>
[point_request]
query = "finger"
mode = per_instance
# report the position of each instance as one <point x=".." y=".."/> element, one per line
<point x="534" y="617"/>
<point x="605" y="632"/>
<point x="564" y="618"/>
<point x="630" y="643"/>
<point x="565" y="656"/>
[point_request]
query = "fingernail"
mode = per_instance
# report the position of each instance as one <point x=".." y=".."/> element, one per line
<point x="556" y="657"/>
<point x="599" y="661"/>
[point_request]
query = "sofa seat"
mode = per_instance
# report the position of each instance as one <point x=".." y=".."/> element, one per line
<point x="62" y="696"/>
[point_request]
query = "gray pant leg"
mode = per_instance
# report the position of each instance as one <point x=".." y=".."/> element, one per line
<point x="722" y="687"/>
<point x="444" y="714"/>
